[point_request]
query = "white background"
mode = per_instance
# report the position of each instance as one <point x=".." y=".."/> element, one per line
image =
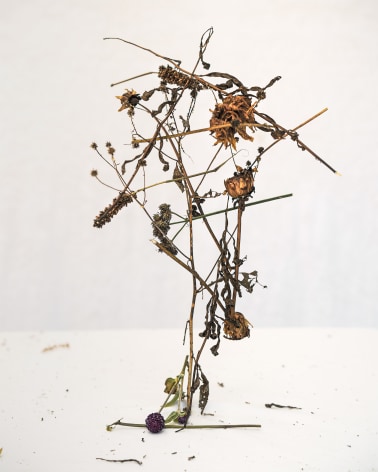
<point x="316" y="251"/>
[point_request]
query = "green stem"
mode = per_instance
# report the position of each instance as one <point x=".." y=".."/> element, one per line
<point x="178" y="380"/>
<point x="188" y="426"/>
<point x="265" y="200"/>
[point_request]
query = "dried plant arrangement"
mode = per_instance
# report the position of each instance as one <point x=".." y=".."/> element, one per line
<point x="235" y="118"/>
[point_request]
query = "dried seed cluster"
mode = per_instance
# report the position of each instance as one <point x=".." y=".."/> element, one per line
<point x="172" y="76"/>
<point x="161" y="226"/>
<point x="111" y="210"/>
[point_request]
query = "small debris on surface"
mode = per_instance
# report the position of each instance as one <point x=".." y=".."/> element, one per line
<point x="191" y="458"/>
<point x="221" y="384"/>
<point x="119" y="460"/>
<point x="56" y="346"/>
<point x="271" y="405"/>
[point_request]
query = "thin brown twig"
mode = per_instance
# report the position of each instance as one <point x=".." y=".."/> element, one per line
<point x="202" y="130"/>
<point x="119" y="460"/>
<point x="175" y="64"/>
<point x="237" y="252"/>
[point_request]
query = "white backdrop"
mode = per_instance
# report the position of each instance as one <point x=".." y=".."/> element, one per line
<point x="316" y="251"/>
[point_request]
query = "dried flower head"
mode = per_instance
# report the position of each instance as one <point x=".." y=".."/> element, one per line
<point x="182" y="419"/>
<point x="236" y="111"/>
<point x="236" y="326"/>
<point x="155" y="422"/>
<point x="240" y="185"/>
<point x="129" y="100"/>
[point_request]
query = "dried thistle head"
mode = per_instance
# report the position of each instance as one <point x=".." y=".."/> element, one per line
<point x="236" y="326"/>
<point x="241" y="184"/>
<point x="129" y="100"/>
<point x="236" y="111"/>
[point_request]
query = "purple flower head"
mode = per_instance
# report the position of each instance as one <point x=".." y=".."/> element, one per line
<point x="155" y="422"/>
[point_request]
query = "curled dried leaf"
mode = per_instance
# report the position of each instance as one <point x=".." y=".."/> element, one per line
<point x="204" y="392"/>
<point x="170" y="385"/>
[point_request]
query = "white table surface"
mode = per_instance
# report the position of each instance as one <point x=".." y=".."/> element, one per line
<point x="55" y="403"/>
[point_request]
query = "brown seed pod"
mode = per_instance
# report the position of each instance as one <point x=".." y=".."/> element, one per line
<point x="240" y="185"/>
<point x="235" y="326"/>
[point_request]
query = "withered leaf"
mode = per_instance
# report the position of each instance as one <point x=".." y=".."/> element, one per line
<point x="224" y="75"/>
<point x="225" y="85"/>
<point x="161" y="106"/>
<point x="204" y="392"/>
<point x="161" y="157"/>
<point x="204" y="42"/>
<point x="273" y="81"/>
<point x="178" y="175"/>
<point x="148" y="94"/>
<point x="127" y="161"/>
